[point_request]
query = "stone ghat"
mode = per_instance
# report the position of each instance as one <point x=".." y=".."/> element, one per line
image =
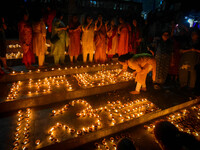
<point x="74" y="120"/>
<point x="15" y="76"/>
<point x="103" y="133"/>
<point x="77" y="122"/>
<point x="48" y="90"/>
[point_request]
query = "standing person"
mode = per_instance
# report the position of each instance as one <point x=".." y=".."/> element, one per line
<point x="88" y="45"/>
<point x="58" y="45"/>
<point x="124" y="31"/>
<point x="25" y="38"/>
<point x="100" y="41"/>
<point x="163" y="53"/>
<point x="74" y="39"/>
<point x="39" y="39"/>
<point x="136" y="37"/>
<point x="142" y="64"/>
<point x="112" y="39"/>
<point x="3" y="27"/>
<point x="50" y="15"/>
<point x="189" y="58"/>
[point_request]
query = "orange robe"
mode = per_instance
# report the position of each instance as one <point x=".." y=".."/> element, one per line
<point x="123" y="40"/>
<point x="100" y="42"/>
<point x="143" y="64"/>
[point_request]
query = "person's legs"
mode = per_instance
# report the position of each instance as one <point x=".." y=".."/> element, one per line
<point x="41" y="60"/>
<point x="56" y="59"/>
<point x="3" y="59"/>
<point x="85" y="57"/>
<point x="138" y="87"/>
<point x="62" y="59"/>
<point x="192" y="79"/>
<point x="183" y="77"/>
<point x="96" y="56"/>
<point x="75" y="57"/>
<point x="71" y="59"/>
<point x="144" y="88"/>
<point x="91" y="56"/>
<point x="1" y="71"/>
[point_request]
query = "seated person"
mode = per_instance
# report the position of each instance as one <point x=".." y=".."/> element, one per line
<point x="170" y="138"/>
<point x="142" y="64"/>
<point x="125" y="144"/>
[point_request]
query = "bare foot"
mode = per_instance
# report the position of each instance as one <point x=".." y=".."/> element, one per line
<point x="134" y="92"/>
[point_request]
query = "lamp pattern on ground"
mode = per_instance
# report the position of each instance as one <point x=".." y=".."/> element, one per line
<point x="23" y="130"/>
<point x="17" y="55"/>
<point x="110" y="143"/>
<point x="35" y="87"/>
<point x="102" y="66"/>
<point x="101" y="78"/>
<point x="111" y="114"/>
<point x="186" y="120"/>
<point x="38" y="87"/>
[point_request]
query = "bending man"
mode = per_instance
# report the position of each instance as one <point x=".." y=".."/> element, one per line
<point x="142" y="64"/>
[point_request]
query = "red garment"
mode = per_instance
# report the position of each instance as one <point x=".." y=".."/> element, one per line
<point x="74" y="42"/>
<point x="28" y="58"/>
<point x="135" y="38"/>
<point x="25" y="38"/>
<point x="174" y="64"/>
<point x="50" y="18"/>
<point x="123" y="40"/>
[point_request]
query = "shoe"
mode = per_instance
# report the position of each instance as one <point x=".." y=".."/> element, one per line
<point x="134" y="92"/>
<point x="144" y="89"/>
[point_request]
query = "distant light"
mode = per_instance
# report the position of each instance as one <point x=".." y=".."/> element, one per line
<point x="93" y="2"/>
<point x="190" y="21"/>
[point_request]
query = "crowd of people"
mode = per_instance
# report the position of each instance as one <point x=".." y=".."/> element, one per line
<point x="175" y="46"/>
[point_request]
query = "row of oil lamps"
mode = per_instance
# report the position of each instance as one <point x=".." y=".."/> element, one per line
<point x="17" y="55"/>
<point x="22" y="134"/>
<point x="102" y="78"/>
<point x="184" y="120"/>
<point x="42" y="86"/>
<point x="116" y="113"/>
<point x="138" y="107"/>
<point x="110" y="143"/>
<point x="62" y="69"/>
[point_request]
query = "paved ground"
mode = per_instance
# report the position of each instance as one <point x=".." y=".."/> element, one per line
<point x="169" y="95"/>
<point x="162" y="98"/>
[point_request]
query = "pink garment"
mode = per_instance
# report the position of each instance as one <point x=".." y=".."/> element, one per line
<point x="123" y="41"/>
<point x="74" y="42"/>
